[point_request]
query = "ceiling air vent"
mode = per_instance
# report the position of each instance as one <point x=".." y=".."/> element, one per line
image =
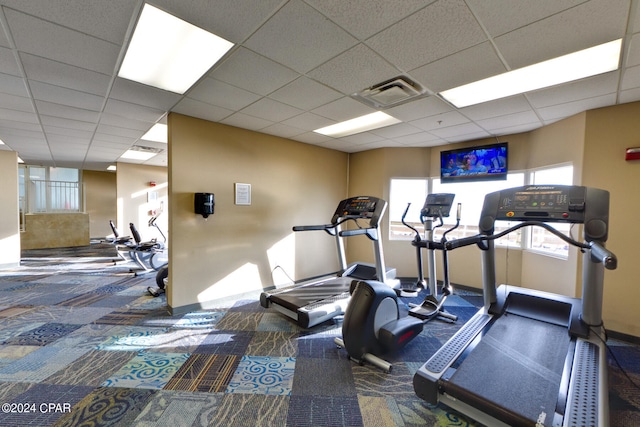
<point x="390" y="93"/>
<point x="144" y="149"/>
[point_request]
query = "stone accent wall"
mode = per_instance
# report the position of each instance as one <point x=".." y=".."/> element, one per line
<point x="52" y="230"/>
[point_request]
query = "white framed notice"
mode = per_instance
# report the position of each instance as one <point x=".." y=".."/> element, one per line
<point x="243" y="194"/>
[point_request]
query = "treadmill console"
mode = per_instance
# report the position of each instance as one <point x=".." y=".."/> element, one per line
<point x="362" y="207"/>
<point x="437" y="205"/>
<point x="549" y="203"/>
<point x="546" y="203"/>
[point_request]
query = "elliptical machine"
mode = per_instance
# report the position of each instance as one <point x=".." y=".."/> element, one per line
<point x="372" y="325"/>
<point x="435" y="206"/>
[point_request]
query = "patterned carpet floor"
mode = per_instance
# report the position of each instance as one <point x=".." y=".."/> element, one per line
<point x="83" y="343"/>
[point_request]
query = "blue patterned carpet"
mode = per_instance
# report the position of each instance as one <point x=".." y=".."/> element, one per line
<point x="82" y="343"/>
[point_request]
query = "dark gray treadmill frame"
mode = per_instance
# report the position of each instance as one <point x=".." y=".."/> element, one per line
<point x="583" y="392"/>
<point x="314" y="301"/>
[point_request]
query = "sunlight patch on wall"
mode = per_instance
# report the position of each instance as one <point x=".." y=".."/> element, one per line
<point x="282" y="260"/>
<point x="244" y="279"/>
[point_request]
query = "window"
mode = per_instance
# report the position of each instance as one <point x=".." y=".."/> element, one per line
<point x="403" y="192"/>
<point x="471" y="196"/>
<point x="539" y="239"/>
<point x="49" y="189"/>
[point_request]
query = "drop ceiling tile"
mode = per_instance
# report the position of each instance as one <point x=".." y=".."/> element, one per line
<point x="271" y="110"/>
<point x="463" y="132"/>
<point x="421" y="139"/>
<point x="344" y="108"/>
<point x="63" y="96"/>
<point x="68" y="76"/>
<point x="308" y="121"/>
<point x="201" y="110"/>
<point x="234" y="20"/>
<point x="48" y="40"/>
<point x="583" y="26"/>
<point x="137" y="93"/>
<point x="454" y="70"/>
<point x="439" y="121"/>
<point x="312" y="138"/>
<point x="221" y="94"/>
<point x="105" y="20"/>
<point x="19" y="125"/>
<point x="420" y="108"/>
<point x="253" y="72"/>
<point x="19" y="116"/>
<point x="108" y="138"/>
<point x="631" y="95"/>
<point x="394" y="131"/>
<point x="65" y="135"/>
<point x="502" y="16"/>
<point x="497" y="108"/>
<point x="516" y="119"/>
<point x="246" y="122"/>
<point x="118" y="131"/>
<point x="586" y="88"/>
<point x="438" y="30"/>
<point x="284" y="131"/>
<point x="379" y="15"/>
<point x="66" y="123"/>
<point x="305" y="93"/>
<point x="362" y="138"/>
<point x="630" y="78"/>
<point x="12" y="85"/>
<point x="354" y="70"/>
<point x="554" y="112"/>
<point x="13" y="102"/>
<point x="126" y="122"/>
<point x="8" y="63"/>
<point x="127" y="109"/>
<point x="633" y="56"/>
<point x="65" y="111"/>
<point x="300" y="37"/>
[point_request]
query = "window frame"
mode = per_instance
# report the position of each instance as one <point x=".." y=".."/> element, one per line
<point x="524" y="241"/>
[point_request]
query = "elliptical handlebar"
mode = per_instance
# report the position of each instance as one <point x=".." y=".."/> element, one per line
<point x="417" y="238"/>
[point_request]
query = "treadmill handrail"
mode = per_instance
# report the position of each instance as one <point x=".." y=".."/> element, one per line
<point x="598" y="252"/>
<point x="371" y="232"/>
<point x="329" y="228"/>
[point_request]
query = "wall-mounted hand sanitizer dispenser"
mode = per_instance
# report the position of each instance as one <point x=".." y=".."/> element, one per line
<point x="203" y="204"/>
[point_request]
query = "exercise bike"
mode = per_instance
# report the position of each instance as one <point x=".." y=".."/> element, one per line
<point x="372" y="324"/>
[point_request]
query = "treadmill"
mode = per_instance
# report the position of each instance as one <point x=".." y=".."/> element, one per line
<point x="530" y="358"/>
<point x="314" y="301"/>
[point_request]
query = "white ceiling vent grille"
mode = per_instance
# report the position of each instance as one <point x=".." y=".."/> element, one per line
<point x="389" y="93"/>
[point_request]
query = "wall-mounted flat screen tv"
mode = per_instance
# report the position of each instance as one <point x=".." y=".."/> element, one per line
<point x="481" y="163"/>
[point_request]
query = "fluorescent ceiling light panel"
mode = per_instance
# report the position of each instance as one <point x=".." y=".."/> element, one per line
<point x="359" y="124"/>
<point x="574" y="66"/>
<point x="157" y="133"/>
<point x="137" y="155"/>
<point x="169" y="53"/>
<point x="112" y="168"/>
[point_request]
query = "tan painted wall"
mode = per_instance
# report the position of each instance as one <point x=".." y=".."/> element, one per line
<point x="9" y="213"/>
<point x="133" y="198"/>
<point x="235" y="250"/>
<point x="100" y="197"/>
<point x="609" y="132"/>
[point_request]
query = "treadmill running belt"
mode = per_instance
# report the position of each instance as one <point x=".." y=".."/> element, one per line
<point x="516" y="368"/>
<point x="304" y="295"/>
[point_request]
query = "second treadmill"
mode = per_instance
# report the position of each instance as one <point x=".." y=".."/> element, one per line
<point x="314" y="301"/>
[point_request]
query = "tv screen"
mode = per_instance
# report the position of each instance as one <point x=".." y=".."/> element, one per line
<point x="487" y="162"/>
